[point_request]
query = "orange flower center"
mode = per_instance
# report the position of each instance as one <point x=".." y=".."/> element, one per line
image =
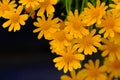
<point x="94" y="73"/>
<point x="68" y="57"/>
<point x="31" y="0"/>
<point x="87" y="41"/>
<point x="113" y="47"/>
<point x="4" y="7"/>
<point x="60" y="36"/>
<point x="116" y="64"/>
<point x="15" y="18"/>
<point x="45" y="3"/>
<point x="46" y="25"/>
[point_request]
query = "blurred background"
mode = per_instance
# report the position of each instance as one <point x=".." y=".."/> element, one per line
<point x="24" y="57"/>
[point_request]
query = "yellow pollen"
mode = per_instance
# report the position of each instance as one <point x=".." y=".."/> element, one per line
<point x="46" y="25"/>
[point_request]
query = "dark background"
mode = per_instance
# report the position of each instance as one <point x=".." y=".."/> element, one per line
<point x="24" y="57"/>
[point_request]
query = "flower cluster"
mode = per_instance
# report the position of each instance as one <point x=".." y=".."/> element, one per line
<point x="95" y="30"/>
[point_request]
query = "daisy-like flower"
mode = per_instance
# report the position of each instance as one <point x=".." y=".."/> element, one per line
<point x="72" y="77"/>
<point x="30" y="3"/>
<point x="93" y="71"/>
<point x="88" y="43"/>
<point x="60" y="40"/>
<point x="48" y="6"/>
<point x="15" y="19"/>
<point x="46" y="27"/>
<point x="110" y="49"/>
<point x="113" y="68"/>
<point x="116" y="4"/>
<point x="75" y="26"/>
<point x="94" y="14"/>
<point x="68" y="60"/>
<point x="6" y="5"/>
<point x="110" y="24"/>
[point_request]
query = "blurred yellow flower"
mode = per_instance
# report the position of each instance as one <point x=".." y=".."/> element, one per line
<point x="30" y="3"/>
<point x="48" y="6"/>
<point x="93" y="71"/>
<point x="68" y="60"/>
<point x="15" y="19"/>
<point x="115" y="5"/>
<point x="6" y="5"/>
<point x="75" y="26"/>
<point x="110" y="49"/>
<point x="60" y="41"/>
<point x="113" y="68"/>
<point x="88" y="43"/>
<point x="72" y="77"/>
<point x="94" y="14"/>
<point x="110" y="24"/>
<point x="46" y="27"/>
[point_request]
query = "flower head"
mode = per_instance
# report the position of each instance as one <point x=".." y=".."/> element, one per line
<point x="116" y="4"/>
<point x="6" y="5"/>
<point x="72" y="77"/>
<point x="93" y="71"/>
<point x="110" y="49"/>
<point x="88" y="43"/>
<point x="48" y="6"/>
<point x="110" y="24"/>
<point x="15" y="19"/>
<point x="46" y="27"/>
<point x="30" y="3"/>
<point x="68" y="60"/>
<point x="75" y="26"/>
<point x="94" y="14"/>
<point x="60" y="41"/>
<point x="113" y="67"/>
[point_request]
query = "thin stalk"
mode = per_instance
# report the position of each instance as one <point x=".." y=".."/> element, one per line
<point x="83" y="5"/>
<point x="76" y="2"/>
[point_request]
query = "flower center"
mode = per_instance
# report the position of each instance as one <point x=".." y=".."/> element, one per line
<point x="116" y="64"/>
<point x="113" y="47"/>
<point x="94" y="73"/>
<point x="4" y="7"/>
<point x="15" y="18"/>
<point x="68" y="57"/>
<point x="60" y="36"/>
<point x="45" y="3"/>
<point x="46" y="25"/>
<point x="86" y="41"/>
<point x="31" y="0"/>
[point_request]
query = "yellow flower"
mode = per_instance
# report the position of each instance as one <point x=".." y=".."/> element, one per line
<point x="30" y="3"/>
<point x="94" y="14"/>
<point x="6" y="5"/>
<point x="75" y="26"/>
<point x="68" y="60"/>
<point x="110" y="49"/>
<point x="48" y="6"/>
<point x="93" y="71"/>
<point x="88" y="43"/>
<point x="113" y="68"/>
<point x="73" y="76"/>
<point x="115" y="5"/>
<point x="46" y="27"/>
<point x="15" y="19"/>
<point x="110" y="24"/>
<point x="60" y="40"/>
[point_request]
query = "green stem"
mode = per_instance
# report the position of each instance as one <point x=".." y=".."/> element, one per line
<point x="66" y="4"/>
<point x="83" y="5"/>
<point x="76" y="2"/>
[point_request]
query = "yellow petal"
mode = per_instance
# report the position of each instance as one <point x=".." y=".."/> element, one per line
<point x="6" y="24"/>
